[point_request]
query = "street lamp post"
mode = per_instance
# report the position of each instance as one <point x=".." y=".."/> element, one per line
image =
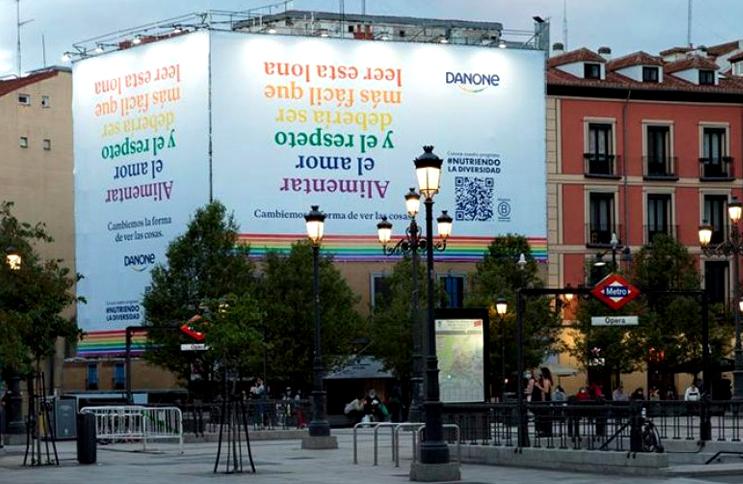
<point x="434" y="453"/>
<point x="319" y="429"/>
<point x="731" y="246"/>
<point x="410" y="244"/>
<point x="614" y="247"/>
<point x="501" y="308"/>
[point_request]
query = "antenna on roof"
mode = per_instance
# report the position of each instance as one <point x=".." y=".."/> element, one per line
<point x="688" y="25"/>
<point x="43" y="49"/>
<point x="565" y="24"/>
<point x="18" y="25"/>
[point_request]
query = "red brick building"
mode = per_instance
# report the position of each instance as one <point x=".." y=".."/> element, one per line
<point x="640" y="145"/>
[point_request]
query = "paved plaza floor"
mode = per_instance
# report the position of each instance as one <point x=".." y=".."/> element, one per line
<point x="277" y="461"/>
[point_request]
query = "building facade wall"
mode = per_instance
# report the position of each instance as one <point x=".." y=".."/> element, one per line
<point x="39" y="180"/>
<point x="37" y="173"/>
<point x="686" y="121"/>
<point x="569" y="216"/>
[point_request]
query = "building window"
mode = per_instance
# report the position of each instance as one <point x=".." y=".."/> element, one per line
<point x="715" y="163"/>
<point x="591" y="71"/>
<point x="452" y="291"/>
<point x="715" y="214"/>
<point x="119" y="381"/>
<point x="658" y="156"/>
<point x="601" y="218"/>
<point x="380" y="290"/>
<point x="600" y="159"/>
<point x="24" y="99"/>
<point x="650" y="74"/>
<point x="47" y="144"/>
<point x="402" y="33"/>
<point x="350" y="29"/>
<point x="706" y="77"/>
<point x="659" y="216"/>
<point x="45" y="102"/>
<point x="91" y="379"/>
<point x="23" y="142"/>
<point x="738" y="68"/>
<point x="715" y="280"/>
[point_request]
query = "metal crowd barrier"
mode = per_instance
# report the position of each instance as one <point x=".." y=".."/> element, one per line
<point x="262" y="414"/>
<point x="133" y="423"/>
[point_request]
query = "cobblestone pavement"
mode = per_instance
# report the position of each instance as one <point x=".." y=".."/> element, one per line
<point x="276" y="462"/>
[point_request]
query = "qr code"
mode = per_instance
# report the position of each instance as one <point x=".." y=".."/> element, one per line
<point x="474" y="198"/>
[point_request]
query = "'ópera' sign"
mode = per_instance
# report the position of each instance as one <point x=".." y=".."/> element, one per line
<point x="614" y="321"/>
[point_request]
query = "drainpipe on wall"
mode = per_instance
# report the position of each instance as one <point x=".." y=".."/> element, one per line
<point x="625" y="109"/>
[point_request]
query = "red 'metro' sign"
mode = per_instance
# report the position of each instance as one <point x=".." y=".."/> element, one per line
<point x="615" y="291"/>
<point x="187" y="329"/>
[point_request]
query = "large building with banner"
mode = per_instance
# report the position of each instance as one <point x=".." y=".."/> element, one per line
<point x="269" y="117"/>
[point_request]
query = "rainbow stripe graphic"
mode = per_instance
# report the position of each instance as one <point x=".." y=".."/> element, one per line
<point x="360" y="248"/>
<point x="109" y="343"/>
<point x="365" y="248"/>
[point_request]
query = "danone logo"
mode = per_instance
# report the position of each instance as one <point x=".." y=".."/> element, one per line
<point x="472" y="82"/>
<point x="139" y="262"/>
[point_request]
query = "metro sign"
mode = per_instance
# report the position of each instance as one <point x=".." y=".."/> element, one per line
<point x="188" y="329"/>
<point x="615" y="291"/>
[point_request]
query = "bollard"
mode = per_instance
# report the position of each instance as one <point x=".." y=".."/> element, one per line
<point x="86" y="438"/>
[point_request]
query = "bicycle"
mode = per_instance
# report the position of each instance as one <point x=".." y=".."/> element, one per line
<point x="650" y="437"/>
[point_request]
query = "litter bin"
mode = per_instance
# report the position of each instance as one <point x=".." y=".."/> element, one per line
<point x="86" y="438"/>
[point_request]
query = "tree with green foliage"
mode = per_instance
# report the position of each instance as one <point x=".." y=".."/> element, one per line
<point x="675" y="328"/>
<point x="233" y="330"/>
<point x="669" y="336"/>
<point x="32" y="298"/>
<point x="499" y="275"/>
<point x="286" y="296"/>
<point x="607" y="351"/>
<point x="392" y="318"/>
<point x="204" y="267"/>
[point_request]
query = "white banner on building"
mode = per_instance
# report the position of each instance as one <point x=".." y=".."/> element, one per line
<point x="141" y="168"/>
<point x="338" y="123"/>
<point x="294" y="121"/>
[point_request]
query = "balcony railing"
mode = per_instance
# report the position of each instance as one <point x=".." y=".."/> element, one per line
<point x="651" y="231"/>
<point x="600" y="165"/>
<point x="659" y="168"/>
<point x="599" y="235"/>
<point x="716" y="169"/>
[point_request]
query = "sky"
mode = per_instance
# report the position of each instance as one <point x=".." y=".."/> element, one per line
<point x="623" y="25"/>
